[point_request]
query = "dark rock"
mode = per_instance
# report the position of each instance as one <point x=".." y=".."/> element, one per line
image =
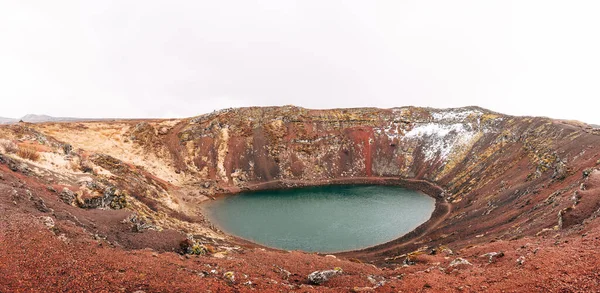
<point x="67" y="148"/>
<point x="40" y="205"/>
<point x="111" y="198"/>
<point x="560" y="171"/>
<point x="67" y="196"/>
<point x="587" y="172"/>
<point x="140" y="224"/>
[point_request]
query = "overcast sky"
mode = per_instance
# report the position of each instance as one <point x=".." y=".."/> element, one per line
<point x="184" y="58"/>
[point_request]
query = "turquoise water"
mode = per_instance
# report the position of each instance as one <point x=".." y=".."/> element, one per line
<point x="322" y="219"/>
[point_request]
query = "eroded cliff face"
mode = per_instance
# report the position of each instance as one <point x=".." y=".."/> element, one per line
<point x="263" y="144"/>
<point x="501" y="176"/>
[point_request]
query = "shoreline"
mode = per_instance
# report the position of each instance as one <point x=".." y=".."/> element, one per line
<point x="374" y="253"/>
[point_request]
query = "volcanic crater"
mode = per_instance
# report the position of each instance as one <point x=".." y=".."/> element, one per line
<point x="120" y="201"/>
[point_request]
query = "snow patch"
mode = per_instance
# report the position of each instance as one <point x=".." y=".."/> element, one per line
<point x="442" y="139"/>
<point x="461" y="115"/>
<point x="435" y="129"/>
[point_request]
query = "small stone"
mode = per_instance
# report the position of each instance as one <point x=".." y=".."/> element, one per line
<point x="48" y="222"/>
<point x="229" y="277"/>
<point x="63" y="238"/>
<point x="219" y="255"/>
<point x="67" y="196"/>
<point x="67" y="148"/>
<point x="363" y="289"/>
<point x="285" y="274"/>
<point x="163" y="130"/>
<point x="320" y="277"/>
<point x="460" y="262"/>
<point x="40" y="205"/>
<point x="491" y="256"/>
<point x="521" y="260"/>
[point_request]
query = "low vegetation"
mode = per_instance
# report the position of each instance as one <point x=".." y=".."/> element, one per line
<point x="28" y="153"/>
<point x="8" y="146"/>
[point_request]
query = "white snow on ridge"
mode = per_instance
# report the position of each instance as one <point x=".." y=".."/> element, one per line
<point x="455" y="115"/>
<point x="435" y="129"/>
<point x="450" y="131"/>
<point x="441" y="139"/>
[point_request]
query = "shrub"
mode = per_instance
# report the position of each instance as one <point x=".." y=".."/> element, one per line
<point x="8" y="146"/>
<point x="28" y="153"/>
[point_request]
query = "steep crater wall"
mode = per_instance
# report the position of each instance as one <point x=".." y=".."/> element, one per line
<point x="495" y="176"/>
<point x="503" y="176"/>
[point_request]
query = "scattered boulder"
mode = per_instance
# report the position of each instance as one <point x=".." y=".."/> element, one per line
<point x="140" y="224"/>
<point x="67" y="196"/>
<point x="111" y="197"/>
<point x="191" y="246"/>
<point x="163" y="130"/>
<point x="560" y="170"/>
<point x="458" y="262"/>
<point x="67" y="149"/>
<point x="48" y="222"/>
<point x="408" y="262"/>
<point x="445" y="250"/>
<point x="491" y="256"/>
<point x="521" y="260"/>
<point x="587" y="172"/>
<point x="229" y="277"/>
<point x="40" y="205"/>
<point x="320" y="277"/>
<point x="363" y="289"/>
<point x="285" y="274"/>
<point x="377" y="281"/>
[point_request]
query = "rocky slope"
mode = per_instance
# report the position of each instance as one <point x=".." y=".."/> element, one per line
<point x="503" y="185"/>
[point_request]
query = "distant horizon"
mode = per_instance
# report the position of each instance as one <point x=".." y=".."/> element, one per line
<point x="169" y="118"/>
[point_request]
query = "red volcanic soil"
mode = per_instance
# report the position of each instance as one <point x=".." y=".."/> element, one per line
<point x="72" y="257"/>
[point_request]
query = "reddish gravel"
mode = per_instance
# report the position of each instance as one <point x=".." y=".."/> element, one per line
<point x="35" y="259"/>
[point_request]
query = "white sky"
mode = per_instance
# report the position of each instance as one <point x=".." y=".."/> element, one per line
<point x="184" y="58"/>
